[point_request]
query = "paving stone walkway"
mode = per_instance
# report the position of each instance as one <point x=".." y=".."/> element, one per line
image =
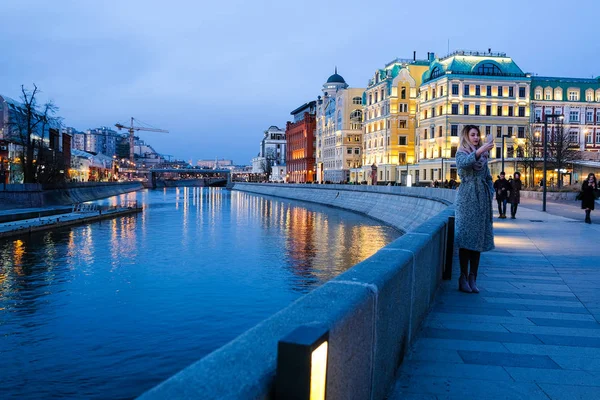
<point x="534" y="330"/>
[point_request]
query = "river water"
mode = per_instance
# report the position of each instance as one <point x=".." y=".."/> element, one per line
<point x="110" y="309"/>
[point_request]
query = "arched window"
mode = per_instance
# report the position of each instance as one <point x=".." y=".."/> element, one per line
<point x="558" y="94"/>
<point x="437" y="71"/>
<point x="356" y="119"/>
<point x="488" y="69"/>
<point x="538" y="93"/>
<point x="548" y="94"/>
<point x="357" y="100"/>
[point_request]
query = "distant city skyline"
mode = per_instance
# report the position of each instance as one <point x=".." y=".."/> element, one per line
<point x="217" y="78"/>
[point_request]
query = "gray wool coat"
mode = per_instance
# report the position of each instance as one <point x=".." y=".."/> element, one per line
<point x="473" y="223"/>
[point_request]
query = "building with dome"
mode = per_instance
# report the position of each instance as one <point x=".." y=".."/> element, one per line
<point x="338" y="130"/>
<point x="480" y="88"/>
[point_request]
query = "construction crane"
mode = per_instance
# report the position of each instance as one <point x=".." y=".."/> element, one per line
<point x="133" y="128"/>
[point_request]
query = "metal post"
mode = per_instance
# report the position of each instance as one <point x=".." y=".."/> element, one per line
<point x="447" y="273"/>
<point x="545" y="161"/>
<point x="502" y="154"/>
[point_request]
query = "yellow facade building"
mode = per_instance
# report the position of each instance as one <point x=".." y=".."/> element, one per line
<point x="390" y="121"/>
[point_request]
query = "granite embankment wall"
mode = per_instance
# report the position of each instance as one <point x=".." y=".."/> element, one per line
<point x="372" y="310"/>
<point x="34" y="195"/>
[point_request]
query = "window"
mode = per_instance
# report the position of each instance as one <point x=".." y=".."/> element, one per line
<point x="402" y="124"/>
<point x="589" y="116"/>
<point x="403" y="93"/>
<point x="521" y="132"/>
<point x="510" y="131"/>
<point x="425" y="134"/>
<point x="440" y="133"/>
<point x="511" y="91"/>
<point x="466" y="90"/>
<point x="500" y="91"/>
<point x="454" y="109"/>
<point x="498" y="152"/>
<point x="433" y="93"/>
<point x="573" y="95"/>
<point x="574" y="116"/>
<point x="488" y="110"/>
<point x="521" y="111"/>
<point x="521" y="92"/>
<point x="357" y="100"/>
<point x="488" y="130"/>
<point x="402" y="140"/>
<point x="455" y="89"/>
<point x="401" y="158"/>
<point x="573" y="137"/>
<point x="349" y="150"/>
<point x="510" y="111"/>
<point x="437" y="71"/>
<point x="426" y="95"/>
<point x="370" y="99"/>
<point x="432" y="112"/>
<point x="499" y="131"/>
<point x="538" y="114"/>
<point x="376" y="97"/>
<point x="558" y="94"/>
<point x="466" y="109"/>
<point x="477" y="109"/>
<point x="499" y="111"/>
<point x="453" y="130"/>
<point x="548" y="94"/>
<point x="538" y="94"/>
<point x="488" y="91"/>
<point x="589" y="95"/>
<point x="588" y="138"/>
<point x="488" y="69"/>
<point x="357" y="150"/>
<point x="598" y="136"/>
<point x="441" y="110"/>
<point x="477" y="90"/>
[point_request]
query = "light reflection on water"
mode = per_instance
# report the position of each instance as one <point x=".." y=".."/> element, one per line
<point x="110" y="309"/>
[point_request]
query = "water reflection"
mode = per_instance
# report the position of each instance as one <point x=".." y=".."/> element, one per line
<point x="109" y="309"/>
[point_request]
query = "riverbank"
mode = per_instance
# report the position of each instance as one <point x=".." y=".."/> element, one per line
<point x="51" y="222"/>
<point x="37" y="195"/>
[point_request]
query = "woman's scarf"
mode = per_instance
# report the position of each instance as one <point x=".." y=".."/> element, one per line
<point x="478" y="164"/>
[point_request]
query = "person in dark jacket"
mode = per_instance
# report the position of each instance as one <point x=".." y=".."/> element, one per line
<point x="502" y="188"/>
<point x="515" y="194"/>
<point x="588" y="199"/>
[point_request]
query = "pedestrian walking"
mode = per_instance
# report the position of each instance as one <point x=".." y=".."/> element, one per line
<point x="588" y="196"/>
<point x="515" y="194"/>
<point x="473" y="225"/>
<point x="502" y="188"/>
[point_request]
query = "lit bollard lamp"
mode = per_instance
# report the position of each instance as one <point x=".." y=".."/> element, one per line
<point x="302" y="364"/>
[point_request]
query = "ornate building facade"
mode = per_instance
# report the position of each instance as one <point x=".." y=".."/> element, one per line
<point x="390" y="107"/>
<point x="339" y="130"/>
<point x="479" y="88"/>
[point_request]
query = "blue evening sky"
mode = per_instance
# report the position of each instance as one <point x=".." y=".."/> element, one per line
<point x="218" y="73"/>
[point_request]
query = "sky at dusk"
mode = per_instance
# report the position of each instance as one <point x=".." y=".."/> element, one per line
<point x="216" y="74"/>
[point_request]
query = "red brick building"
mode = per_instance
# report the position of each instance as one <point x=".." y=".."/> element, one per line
<point x="300" y="144"/>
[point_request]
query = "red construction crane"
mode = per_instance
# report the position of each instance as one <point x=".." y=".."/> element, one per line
<point x="133" y="128"/>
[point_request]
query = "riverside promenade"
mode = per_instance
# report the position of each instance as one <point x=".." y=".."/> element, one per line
<point x="534" y="330"/>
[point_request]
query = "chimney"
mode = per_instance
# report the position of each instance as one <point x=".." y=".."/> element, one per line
<point x="431" y="56"/>
<point x="490" y="50"/>
<point x="414" y="56"/>
<point x="428" y="55"/>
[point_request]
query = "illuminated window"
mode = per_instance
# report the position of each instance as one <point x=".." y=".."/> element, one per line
<point x="573" y="95"/>
<point x="538" y="94"/>
<point x="589" y="95"/>
<point x="402" y="140"/>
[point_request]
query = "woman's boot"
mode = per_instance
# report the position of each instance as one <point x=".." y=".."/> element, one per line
<point x="463" y="257"/>
<point x="588" y="220"/>
<point x="473" y="283"/>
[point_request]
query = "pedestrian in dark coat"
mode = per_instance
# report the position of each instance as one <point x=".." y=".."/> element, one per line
<point x="588" y="198"/>
<point x="502" y="188"/>
<point x="515" y="194"/>
<point x="473" y="226"/>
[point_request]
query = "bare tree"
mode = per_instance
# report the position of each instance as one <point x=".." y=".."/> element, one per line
<point x="31" y="123"/>
<point x="529" y="154"/>
<point x="562" y="148"/>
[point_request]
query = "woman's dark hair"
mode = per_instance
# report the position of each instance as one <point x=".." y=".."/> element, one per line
<point x="517" y="175"/>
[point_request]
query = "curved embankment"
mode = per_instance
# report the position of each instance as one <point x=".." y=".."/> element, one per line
<point x="371" y="311"/>
<point x="33" y="195"/>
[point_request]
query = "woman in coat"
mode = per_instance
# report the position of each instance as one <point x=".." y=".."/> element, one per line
<point x="473" y="229"/>
<point x="515" y="194"/>
<point x="588" y="199"/>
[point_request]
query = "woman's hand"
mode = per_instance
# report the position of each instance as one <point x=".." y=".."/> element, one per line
<point x="487" y="146"/>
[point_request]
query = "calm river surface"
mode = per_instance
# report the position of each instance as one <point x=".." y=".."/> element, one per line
<point x="110" y="309"/>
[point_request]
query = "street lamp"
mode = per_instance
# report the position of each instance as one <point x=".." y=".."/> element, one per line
<point x="553" y="117"/>
<point x="502" y="151"/>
